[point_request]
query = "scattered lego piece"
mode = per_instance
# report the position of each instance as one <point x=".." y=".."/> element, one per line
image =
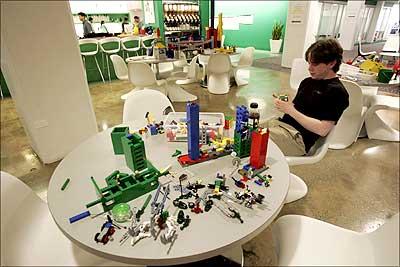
<point x="186" y="222"/>
<point x="121" y="212"/>
<point x="65" y="184"/>
<point x="105" y="234"/>
<point x="141" y="210"/>
<point x="177" y="153"/>
<point x="79" y="217"/>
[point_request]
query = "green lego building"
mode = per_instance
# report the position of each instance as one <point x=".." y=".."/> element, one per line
<point x="135" y="153"/>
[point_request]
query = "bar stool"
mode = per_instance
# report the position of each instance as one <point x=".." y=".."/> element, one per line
<point x="90" y="47"/>
<point x="147" y="42"/>
<point x="130" y="44"/>
<point x="109" y="46"/>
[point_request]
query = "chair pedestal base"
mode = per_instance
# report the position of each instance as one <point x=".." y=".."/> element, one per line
<point x="235" y="254"/>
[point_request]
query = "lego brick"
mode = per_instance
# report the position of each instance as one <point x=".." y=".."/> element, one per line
<point x="259" y="142"/>
<point x="116" y="135"/>
<point x="192" y="114"/>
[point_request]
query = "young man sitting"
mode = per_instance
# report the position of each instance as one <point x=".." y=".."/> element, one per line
<point x="318" y="104"/>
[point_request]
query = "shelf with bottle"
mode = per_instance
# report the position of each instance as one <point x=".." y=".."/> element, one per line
<point x="181" y="16"/>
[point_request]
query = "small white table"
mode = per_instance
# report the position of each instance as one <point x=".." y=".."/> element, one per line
<point x="209" y="233"/>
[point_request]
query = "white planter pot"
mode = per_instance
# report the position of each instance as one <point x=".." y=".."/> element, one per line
<point x="275" y="45"/>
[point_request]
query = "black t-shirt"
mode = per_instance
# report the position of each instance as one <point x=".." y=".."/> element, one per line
<point x="318" y="99"/>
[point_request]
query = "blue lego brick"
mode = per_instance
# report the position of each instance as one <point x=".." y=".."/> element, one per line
<point x="246" y="167"/>
<point x="259" y="181"/>
<point x="153" y="129"/>
<point x="192" y="115"/>
<point x="242" y="117"/>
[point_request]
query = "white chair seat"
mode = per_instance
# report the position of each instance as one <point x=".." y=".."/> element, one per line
<point x="240" y="72"/>
<point x="375" y="126"/>
<point x="218" y="74"/>
<point x="140" y="102"/>
<point x="304" y="241"/>
<point x="29" y="235"/>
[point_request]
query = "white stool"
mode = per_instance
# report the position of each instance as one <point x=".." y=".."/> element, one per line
<point x="91" y="49"/>
<point x="109" y="46"/>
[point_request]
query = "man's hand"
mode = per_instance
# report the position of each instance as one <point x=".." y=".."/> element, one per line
<point x="284" y="106"/>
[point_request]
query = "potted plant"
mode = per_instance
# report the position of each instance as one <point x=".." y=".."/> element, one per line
<point x="276" y="41"/>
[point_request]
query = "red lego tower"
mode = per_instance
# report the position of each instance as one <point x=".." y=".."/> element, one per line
<point x="259" y="144"/>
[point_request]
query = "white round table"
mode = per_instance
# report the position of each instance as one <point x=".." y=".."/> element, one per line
<point x="209" y="233"/>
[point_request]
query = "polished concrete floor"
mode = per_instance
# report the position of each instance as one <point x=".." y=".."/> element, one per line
<point x="356" y="188"/>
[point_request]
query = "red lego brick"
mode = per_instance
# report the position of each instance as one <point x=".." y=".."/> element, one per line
<point x="259" y="144"/>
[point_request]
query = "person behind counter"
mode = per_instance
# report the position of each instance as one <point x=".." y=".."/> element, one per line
<point x="124" y="24"/>
<point x="87" y="27"/>
<point x="103" y="28"/>
<point x="137" y="25"/>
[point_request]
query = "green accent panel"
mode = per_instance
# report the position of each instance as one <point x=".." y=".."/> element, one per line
<point x="131" y="44"/>
<point x="87" y="47"/>
<point x="256" y="34"/>
<point x="204" y="15"/>
<point x="110" y="45"/>
<point x="3" y="84"/>
<point x="371" y="2"/>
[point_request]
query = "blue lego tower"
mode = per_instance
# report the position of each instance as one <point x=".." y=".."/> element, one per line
<point x="192" y="115"/>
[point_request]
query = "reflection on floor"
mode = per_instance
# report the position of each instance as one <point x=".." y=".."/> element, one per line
<point x="356" y="188"/>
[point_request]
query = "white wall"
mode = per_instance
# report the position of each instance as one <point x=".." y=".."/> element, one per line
<point x="43" y="68"/>
<point x="351" y="23"/>
<point x="299" y="36"/>
<point x="97" y="7"/>
<point x="374" y="21"/>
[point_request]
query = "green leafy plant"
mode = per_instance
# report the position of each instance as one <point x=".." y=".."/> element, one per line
<point x="277" y="29"/>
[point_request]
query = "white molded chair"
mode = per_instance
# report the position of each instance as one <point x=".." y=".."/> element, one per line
<point x="316" y="152"/>
<point x="181" y="64"/>
<point x="165" y="69"/>
<point x="350" y="123"/>
<point x="29" y="235"/>
<point x="120" y="68"/>
<point x="140" y="102"/>
<point x="218" y="74"/>
<point x="131" y="44"/>
<point x="375" y="126"/>
<point x="298" y="72"/>
<point x="245" y="61"/>
<point x="192" y="74"/>
<point x="88" y="53"/>
<point x="141" y="75"/>
<point x="107" y="47"/>
<point x="297" y="189"/>
<point x="146" y="42"/>
<point x="305" y="241"/>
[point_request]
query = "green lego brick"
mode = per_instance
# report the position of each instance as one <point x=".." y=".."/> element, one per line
<point x="135" y="154"/>
<point x="116" y="135"/>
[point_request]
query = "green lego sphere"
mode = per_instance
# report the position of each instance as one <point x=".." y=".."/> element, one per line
<point x="121" y="212"/>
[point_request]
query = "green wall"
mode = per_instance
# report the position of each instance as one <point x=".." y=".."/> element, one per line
<point x="256" y="34"/>
<point x="204" y="15"/>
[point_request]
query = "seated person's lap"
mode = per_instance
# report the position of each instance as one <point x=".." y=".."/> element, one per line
<point x="286" y="137"/>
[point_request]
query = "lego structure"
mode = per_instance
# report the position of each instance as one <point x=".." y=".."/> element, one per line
<point x="135" y="154"/>
<point x="192" y="114"/>
<point x="259" y="144"/>
<point x="243" y="130"/>
<point x="122" y="188"/>
<point x="205" y="148"/>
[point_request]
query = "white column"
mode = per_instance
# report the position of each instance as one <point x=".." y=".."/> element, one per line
<point x="374" y="20"/>
<point x="351" y="24"/>
<point x="41" y="63"/>
<point x="301" y="28"/>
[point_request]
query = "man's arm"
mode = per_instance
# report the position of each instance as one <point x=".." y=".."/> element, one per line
<point x="319" y="127"/>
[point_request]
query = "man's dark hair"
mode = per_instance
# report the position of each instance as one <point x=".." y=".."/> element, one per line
<point x="325" y="51"/>
<point x="90" y="19"/>
<point x="82" y="14"/>
<point x="126" y="19"/>
<point x="136" y="17"/>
